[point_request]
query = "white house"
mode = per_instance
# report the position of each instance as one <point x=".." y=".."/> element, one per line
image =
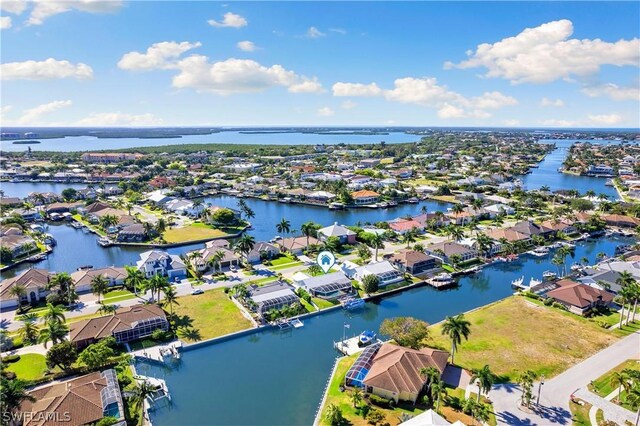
<point x="384" y="270"/>
<point x="159" y="262"/>
<point x="184" y="207"/>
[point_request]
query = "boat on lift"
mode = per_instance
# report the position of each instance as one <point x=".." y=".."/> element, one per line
<point x="366" y="338"/>
<point x="353" y="303"/>
<point x="549" y="275"/>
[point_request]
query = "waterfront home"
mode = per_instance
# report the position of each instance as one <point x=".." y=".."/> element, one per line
<point x="466" y="216"/>
<point x="631" y="266"/>
<point x="600" y="170"/>
<point x="262" y="250"/>
<point x="321" y="196"/>
<point x="559" y="225"/>
<point x="109" y="157"/>
<point x="10" y="201"/>
<point x="602" y="278"/>
<point x="344" y="234"/>
<point x="35" y="283"/>
<point x="41" y="198"/>
<point x="439" y="219"/>
<point x="28" y="215"/>
<point x="158" y="262"/>
<point x="414" y="262"/>
<point x="80" y="401"/>
<point x="82" y="278"/>
<point x="395" y="371"/>
<point x="204" y="259"/>
<point x="18" y="245"/>
<point x="384" y="270"/>
<point x="159" y="197"/>
<point x="125" y="325"/>
<point x="133" y="233"/>
<point x="86" y="194"/>
<point x="445" y="249"/>
<point x="327" y="286"/>
<point x="62" y="207"/>
<point x="621" y="221"/>
<point x="184" y="207"/>
<point x="364" y="197"/>
<point x="402" y="226"/>
<point x="579" y="298"/>
<point x="498" y="235"/>
<point x="494" y="210"/>
<point x="296" y="245"/>
<point x="530" y="228"/>
<point x="429" y="418"/>
<point x="272" y="296"/>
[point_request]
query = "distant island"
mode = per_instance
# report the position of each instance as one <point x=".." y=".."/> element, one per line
<point x="25" y="142"/>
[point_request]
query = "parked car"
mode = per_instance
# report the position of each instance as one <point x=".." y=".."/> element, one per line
<point x="233" y="268"/>
<point x="197" y="291"/>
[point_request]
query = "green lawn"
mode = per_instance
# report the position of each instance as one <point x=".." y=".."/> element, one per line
<point x="602" y="385"/>
<point x="307" y="306"/>
<point x="282" y="260"/>
<point x="117" y="296"/>
<point x="580" y="414"/>
<point x="29" y="367"/>
<point x="322" y="303"/>
<point x="209" y="315"/>
<point x="514" y="335"/>
<point x="191" y="233"/>
<point x="291" y="264"/>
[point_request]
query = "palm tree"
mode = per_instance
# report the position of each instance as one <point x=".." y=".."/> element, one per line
<point x="315" y="269"/>
<point x="481" y="413"/>
<point x="54" y="314"/>
<point x="525" y="380"/>
<point x="455" y="232"/>
<point x="156" y="284"/>
<point x="457" y="208"/>
<point x="170" y="297"/>
<point x="485" y="379"/>
<point x="245" y="244"/>
<point x="308" y="229"/>
<point x="19" y="291"/>
<point x="218" y="256"/>
<point x="108" y="221"/>
<point x="141" y="392"/>
<point x="63" y="282"/>
<point x="376" y="242"/>
<point x="409" y="237"/>
<point x="284" y="226"/>
<point x="53" y="331"/>
<point x="135" y="278"/>
<point x="29" y="331"/>
<point x="620" y="380"/>
<point x="633" y="399"/>
<point x="13" y="393"/>
<point x="107" y="309"/>
<point x="356" y="396"/>
<point x="161" y="226"/>
<point x="456" y="328"/>
<point x="484" y="242"/>
<point x="99" y="285"/>
<point x="149" y="229"/>
<point x="437" y="390"/>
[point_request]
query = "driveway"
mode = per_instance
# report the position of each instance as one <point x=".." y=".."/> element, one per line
<point x="555" y="393"/>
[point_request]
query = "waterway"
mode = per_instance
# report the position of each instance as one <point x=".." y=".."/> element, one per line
<point x="88" y="143"/>
<point x="547" y="173"/>
<point x="277" y="378"/>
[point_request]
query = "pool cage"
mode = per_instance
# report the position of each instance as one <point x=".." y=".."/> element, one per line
<point x="110" y="396"/>
<point x="332" y="290"/>
<point x="358" y="371"/>
<point x="276" y="302"/>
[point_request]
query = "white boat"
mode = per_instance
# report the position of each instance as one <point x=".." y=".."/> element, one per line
<point x="539" y="251"/>
<point x="556" y="245"/>
<point x="441" y="280"/>
<point x="383" y="205"/>
<point x="549" y="275"/>
<point x="576" y="267"/>
<point x="413" y="200"/>
<point x="296" y="323"/>
<point x="104" y="242"/>
<point x="336" y="206"/>
<point x="366" y="338"/>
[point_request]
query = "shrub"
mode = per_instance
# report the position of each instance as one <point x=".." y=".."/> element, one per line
<point x="11" y="359"/>
<point x="379" y="401"/>
<point x="548" y="301"/>
<point x="559" y="306"/>
<point x="158" y="335"/>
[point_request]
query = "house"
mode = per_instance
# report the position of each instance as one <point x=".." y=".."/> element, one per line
<point x="413" y="261"/>
<point x="158" y="262"/>
<point x="28" y="215"/>
<point x="296" y="245"/>
<point x="109" y="157"/>
<point x="438" y="219"/>
<point x="364" y="197"/>
<point x="62" y="207"/>
<point x="262" y="250"/>
<point x="80" y="401"/>
<point x="620" y="221"/>
<point x="395" y="371"/>
<point x="205" y="257"/>
<point x="132" y="233"/>
<point x="445" y="249"/>
<point x="326" y="286"/>
<point x="184" y="207"/>
<point x="496" y="209"/>
<point x="602" y="279"/>
<point x="242" y="167"/>
<point x="273" y="296"/>
<point x="600" y="169"/>
<point x="19" y="244"/>
<point x="344" y="234"/>
<point x="528" y="227"/>
<point x="10" y="201"/>
<point x="402" y="226"/>
<point x="82" y="278"/>
<point x="35" y="283"/>
<point x="321" y="196"/>
<point x="429" y="418"/>
<point x="125" y="325"/>
<point x="384" y="270"/>
<point x="579" y="298"/>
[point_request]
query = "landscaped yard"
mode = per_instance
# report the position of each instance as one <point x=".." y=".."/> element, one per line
<point x="602" y="385"/>
<point x="515" y="335"/>
<point x="29" y="367"/>
<point x="191" y="233"/>
<point x="580" y="413"/>
<point x="117" y="296"/>
<point x="211" y="314"/>
<point x="322" y="303"/>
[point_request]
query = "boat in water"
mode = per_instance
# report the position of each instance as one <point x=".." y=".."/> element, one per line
<point x="413" y="200"/>
<point x="353" y="303"/>
<point x="366" y="338"/>
<point x="549" y="275"/>
<point x="441" y="280"/>
<point x="539" y="251"/>
<point x="104" y="242"/>
<point x="336" y="206"/>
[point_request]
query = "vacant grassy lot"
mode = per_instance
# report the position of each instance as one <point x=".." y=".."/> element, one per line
<point x="209" y="315"/>
<point x="29" y="367"/>
<point x="515" y="335"/>
<point x="322" y="303"/>
<point x="191" y="233"/>
<point x="602" y="385"/>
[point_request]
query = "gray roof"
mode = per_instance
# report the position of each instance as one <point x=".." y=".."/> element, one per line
<point x="336" y="230"/>
<point x="325" y="279"/>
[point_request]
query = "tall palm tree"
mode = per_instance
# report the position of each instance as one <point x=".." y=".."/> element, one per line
<point x="484" y="242"/>
<point x="19" y="291"/>
<point x="284" y="226"/>
<point x="456" y="328"/>
<point x="99" y="285"/>
<point x="135" y="278"/>
<point x="437" y="390"/>
<point x="455" y="232"/>
<point x="54" y="313"/>
<point x="409" y="237"/>
<point x="633" y="399"/>
<point x="29" y="331"/>
<point x="53" y="331"/>
<point x="141" y="392"/>
<point x="170" y="297"/>
<point x="245" y="244"/>
<point x="156" y="284"/>
<point x="308" y="229"/>
<point x="457" y="208"/>
<point x="63" y="283"/>
<point x="485" y="380"/>
<point x="376" y="242"/>
<point x="620" y="380"/>
<point x="13" y="393"/>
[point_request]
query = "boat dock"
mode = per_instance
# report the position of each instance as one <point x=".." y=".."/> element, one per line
<point x="350" y="346"/>
<point x="160" y="353"/>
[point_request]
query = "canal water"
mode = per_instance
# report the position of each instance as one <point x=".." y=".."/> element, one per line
<point x="88" y="143"/>
<point x="277" y="378"/>
<point x="547" y="173"/>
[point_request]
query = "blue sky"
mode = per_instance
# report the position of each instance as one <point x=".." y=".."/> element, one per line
<point x="550" y="64"/>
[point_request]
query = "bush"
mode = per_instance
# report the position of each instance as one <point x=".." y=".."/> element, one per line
<point x="379" y="401"/>
<point x="159" y="335"/>
<point x="548" y="301"/>
<point x="559" y="306"/>
<point x="11" y="359"/>
<point x="530" y="295"/>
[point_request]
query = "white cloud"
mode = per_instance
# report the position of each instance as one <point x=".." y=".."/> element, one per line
<point x="325" y="112"/>
<point x="592" y="120"/>
<point x="13" y="6"/>
<point x="338" y="30"/>
<point x="426" y="91"/>
<point x="119" y="119"/>
<point x="5" y="22"/>
<point x="546" y="53"/>
<point x="157" y="56"/>
<point x="246" y="46"/>
<point x="31" y="117"/>
<point x="613" y="91"/>
<point x="313" y="32"/>
<point x="45" y="70"/>
<point x="356" y="89"/>
<point x="557" y="103"/>
<point x="44" y="9"/>
<point x="238" y="76"/>
<point x="230" y="20"/>
<point x="512" y="123"/>
<point x="348" y="104"/>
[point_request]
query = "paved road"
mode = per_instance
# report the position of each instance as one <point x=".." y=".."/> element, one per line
<point x="554" y="400"/>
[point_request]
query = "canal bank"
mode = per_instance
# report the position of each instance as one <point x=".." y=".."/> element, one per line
<point x="286" y="371"/>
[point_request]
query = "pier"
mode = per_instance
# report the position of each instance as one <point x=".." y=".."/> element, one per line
<point x="350" y="346"/>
